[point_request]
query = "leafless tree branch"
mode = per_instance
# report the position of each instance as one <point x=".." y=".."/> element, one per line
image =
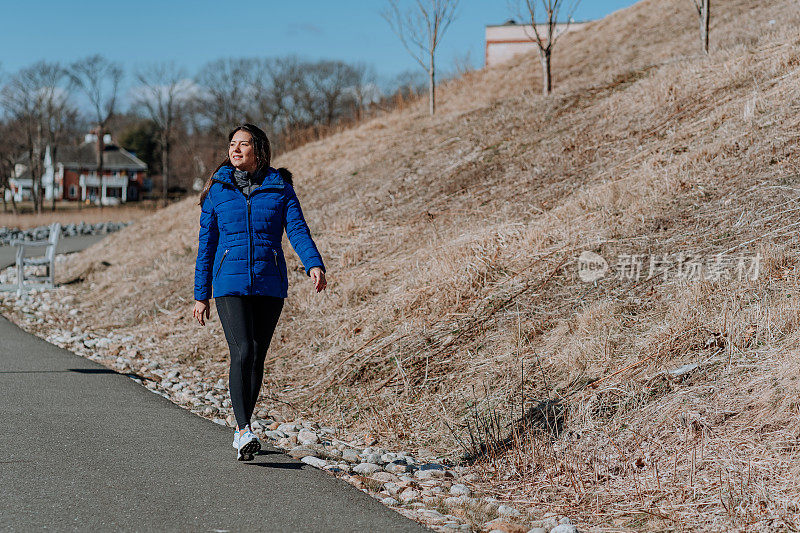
<point x="546" y="40"/>
<point x="420" y="29"/>
<point x="163" y="92"/>
<point x="99" y="79"/>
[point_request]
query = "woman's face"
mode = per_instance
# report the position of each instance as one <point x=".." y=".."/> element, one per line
<point x="241" y="151"/>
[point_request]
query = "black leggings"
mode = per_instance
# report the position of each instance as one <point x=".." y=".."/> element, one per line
<point x="248" y="322"/>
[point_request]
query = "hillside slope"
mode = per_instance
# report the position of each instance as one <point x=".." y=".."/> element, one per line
<point x="452" y="247"/>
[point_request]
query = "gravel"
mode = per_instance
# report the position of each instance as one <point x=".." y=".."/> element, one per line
<point x="416" y="485"/>
<point x="67" y="230"/>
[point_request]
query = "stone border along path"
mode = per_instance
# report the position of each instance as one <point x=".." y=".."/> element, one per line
<point x="71" y="229"/>
<point x="410" y="485"/>
<point x="87" y="449"/>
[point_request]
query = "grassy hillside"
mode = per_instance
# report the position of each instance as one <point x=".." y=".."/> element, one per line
<point x="452" y="247"/>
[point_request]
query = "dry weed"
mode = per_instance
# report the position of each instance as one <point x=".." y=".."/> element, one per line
<point x="452" y="246"/>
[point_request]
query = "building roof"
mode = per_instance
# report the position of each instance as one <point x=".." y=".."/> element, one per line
<point x="512" y="22"/>
<point x="85" y="156"/>
<point x="25" y="175"/>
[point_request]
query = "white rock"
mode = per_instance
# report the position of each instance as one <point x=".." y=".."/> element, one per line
<point x="350" y="455"/>
<point x="549" y="523"/>
<point x="460" y="490"/>
<point x="373" y="458"/>
<point x="366" y="469"/>
<point x="564" y="528"/>
<point x="333" y="453"/>
<point x="288" y="428"/>
<point x="507" y="510"/>
<point x="432" y="515"/>
<point x="314" y="461"/>
<point x="456" y="501"/>
<point x="396" y="467"/>
<point x="409" y="495"/>
<point x="385" y="477"/>
<point x="306" y="436"/>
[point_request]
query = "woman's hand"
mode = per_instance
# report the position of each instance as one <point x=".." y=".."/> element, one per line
<point x="318" y="277"/>
<point x="201" y="308"/>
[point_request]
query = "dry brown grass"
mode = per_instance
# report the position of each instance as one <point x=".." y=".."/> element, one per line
<point x="70" y="213"/>
<point x="451" y="245"/>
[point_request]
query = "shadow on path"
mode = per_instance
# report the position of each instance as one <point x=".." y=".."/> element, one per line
<point x="112" y="455"/>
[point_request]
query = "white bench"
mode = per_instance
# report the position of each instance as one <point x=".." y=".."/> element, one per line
<point x="48" y="259"/>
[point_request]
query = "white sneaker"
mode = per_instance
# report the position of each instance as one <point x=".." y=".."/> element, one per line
<point x="249" y="445"/>
<point x="236" y="439"/>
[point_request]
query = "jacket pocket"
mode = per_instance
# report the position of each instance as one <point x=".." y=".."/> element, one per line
<point x="277" y="266"/>
<point x="220" y="263"/>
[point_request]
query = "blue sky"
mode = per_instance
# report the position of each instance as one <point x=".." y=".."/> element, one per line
<point x="193" y="32"/>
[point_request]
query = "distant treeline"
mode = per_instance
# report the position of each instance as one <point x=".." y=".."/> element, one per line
<point x="290" y="96"/>
<point x="177" y="122"/>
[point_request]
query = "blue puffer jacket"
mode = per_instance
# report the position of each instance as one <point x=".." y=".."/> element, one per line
<point x="239" y="250"/>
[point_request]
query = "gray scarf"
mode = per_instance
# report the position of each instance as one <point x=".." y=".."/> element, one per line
<point x="247" y="181"/>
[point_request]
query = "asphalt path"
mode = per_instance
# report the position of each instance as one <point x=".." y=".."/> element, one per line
<point x="84" y="448"/>
<point x="8" y="254"/>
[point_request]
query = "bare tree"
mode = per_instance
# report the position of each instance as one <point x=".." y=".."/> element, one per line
<point x="546" y="31"/>
<point x="37" y="98"/>
<point x="19" y="99"/>
<point x="163" y="92"/>
<point x="11" y="146"/>
<point x="276" y="92"/>
<point x="327" y="90"/>
<point x="364" y="90"/>
<point x="228" y="92"/>
<point x="421" y="28"/>
<point x="99" y="79"/>
<point x="704" y="12"/>
<point x="462" y="63"/>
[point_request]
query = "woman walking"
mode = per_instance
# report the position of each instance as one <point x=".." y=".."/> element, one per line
<point x="246" y="205"/>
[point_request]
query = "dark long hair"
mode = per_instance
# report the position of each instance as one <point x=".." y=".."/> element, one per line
<point x="261" y="147"/>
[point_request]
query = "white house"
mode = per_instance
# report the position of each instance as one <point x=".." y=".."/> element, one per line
<point x="505" y="41"/>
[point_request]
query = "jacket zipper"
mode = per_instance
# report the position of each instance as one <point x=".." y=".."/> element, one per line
<point x="250" y="243"/>
<point x="220" y="262"/>
<point x="250" y="259"/>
